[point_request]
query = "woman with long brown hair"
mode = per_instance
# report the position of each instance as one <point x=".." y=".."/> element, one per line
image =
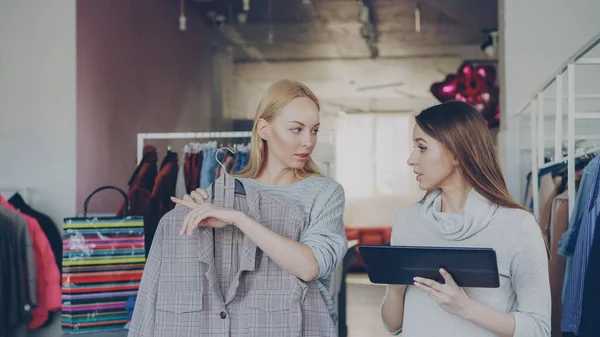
<point x="467" y="204"/>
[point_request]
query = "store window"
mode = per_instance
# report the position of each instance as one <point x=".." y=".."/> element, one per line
<point x="371" y="154"/>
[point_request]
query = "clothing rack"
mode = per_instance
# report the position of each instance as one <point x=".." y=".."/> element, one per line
<point x="577" y="154"/>
<point x="536" y="106"/>
<point x="141" y="137"/>
<point x="326" y="156"/>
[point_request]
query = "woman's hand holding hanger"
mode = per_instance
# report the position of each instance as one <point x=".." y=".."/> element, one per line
<point x="293" y="256"/>
<point x="203" y="213"/>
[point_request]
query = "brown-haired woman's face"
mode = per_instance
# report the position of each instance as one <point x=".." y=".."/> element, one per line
<point x="431" y="161"/>
<point x="292" y="135"/>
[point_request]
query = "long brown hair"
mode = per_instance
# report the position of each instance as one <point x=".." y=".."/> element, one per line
<point x="277" y="96"/>
<point x="461" y="129"/>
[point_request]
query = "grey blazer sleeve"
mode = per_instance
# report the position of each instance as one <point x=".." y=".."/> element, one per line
<point x="142" y="322"/>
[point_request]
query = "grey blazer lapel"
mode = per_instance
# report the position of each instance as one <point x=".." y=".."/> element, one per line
<point x="248" y="258"/>
<point x="248" y="255"/>
<point x="223" y="196"/>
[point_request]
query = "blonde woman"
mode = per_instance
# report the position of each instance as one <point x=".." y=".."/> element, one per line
<point x="283" y="137"/>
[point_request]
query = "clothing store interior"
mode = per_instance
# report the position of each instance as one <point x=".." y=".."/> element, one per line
<point x="126" y="103"/>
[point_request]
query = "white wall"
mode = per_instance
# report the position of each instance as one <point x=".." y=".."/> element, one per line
<point x="37" y="102"/>
<point x="537" y="36"/>
<point x="37" y="106"/>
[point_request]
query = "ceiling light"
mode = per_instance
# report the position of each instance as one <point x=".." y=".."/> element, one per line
<point x="418" y="19"/>
<point x="182" y="18"/>
<point x="242" y="17"/>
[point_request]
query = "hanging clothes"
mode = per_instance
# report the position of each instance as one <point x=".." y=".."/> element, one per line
<point x="577" y="265"/>
<point x="160" y="198"/>
<point x="17" y="299"/>
<point x="559" y="222"/>
<point x="241" y="157"/>
<point x="164" y="187"/>
<point x="569" y="238"/>
<point x="150" y="192"/>
<point x="590" y="311"/>
<point x="200" y="168"/>
<point x="48" y="226"/>
<point x="146" y="171"/>
<point x="52" y="234"/>
<point x="141" y="184"/>
<point x="209" y="167"/>
<point x="548" y="191"/>
<point x="180" y="185"/>
<point x="543" y="175"/>
<point x="47" y="283"/>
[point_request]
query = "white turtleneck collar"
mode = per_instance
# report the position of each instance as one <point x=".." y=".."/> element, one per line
<point x="458" y="226"/>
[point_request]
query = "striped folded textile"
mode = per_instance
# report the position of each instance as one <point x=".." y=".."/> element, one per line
<point x="103" y="262"/>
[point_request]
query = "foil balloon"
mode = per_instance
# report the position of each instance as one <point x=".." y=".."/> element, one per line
<point x="475" y="85"/>
<point x="446" y="90"/>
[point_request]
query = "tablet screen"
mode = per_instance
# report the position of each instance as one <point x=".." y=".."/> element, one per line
<point x="470" y="267"/>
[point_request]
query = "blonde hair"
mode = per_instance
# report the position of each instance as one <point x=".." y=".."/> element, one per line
<point x="277" y="96"/>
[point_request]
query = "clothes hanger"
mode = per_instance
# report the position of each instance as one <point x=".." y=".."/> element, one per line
<point x="239" y="187"/>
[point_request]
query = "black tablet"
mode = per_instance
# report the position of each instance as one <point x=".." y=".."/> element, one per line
<point x="470" y="267"/>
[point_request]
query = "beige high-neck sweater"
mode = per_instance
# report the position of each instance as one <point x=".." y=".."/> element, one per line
<point x="522" y="264"/>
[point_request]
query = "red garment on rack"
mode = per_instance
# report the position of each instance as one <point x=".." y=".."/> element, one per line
<point x="193" y="166"/>
<point x="160" y="198"/>
<point x="48" y="275"/>
<point x="141" y="184"/>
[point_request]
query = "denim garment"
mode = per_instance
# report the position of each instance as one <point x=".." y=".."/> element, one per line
<point x="209" y="167"/>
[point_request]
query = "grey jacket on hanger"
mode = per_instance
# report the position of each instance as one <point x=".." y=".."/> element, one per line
<point x="181" y="294"/>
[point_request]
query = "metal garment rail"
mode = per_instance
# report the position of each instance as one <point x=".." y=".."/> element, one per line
<point x="536" y="103"/>
<point x="141" y="137"/>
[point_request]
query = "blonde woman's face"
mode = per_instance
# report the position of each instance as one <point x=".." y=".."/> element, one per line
<point x="292" y="136"/>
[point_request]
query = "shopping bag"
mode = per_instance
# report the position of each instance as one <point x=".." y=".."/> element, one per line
<point x="103" y="261"/>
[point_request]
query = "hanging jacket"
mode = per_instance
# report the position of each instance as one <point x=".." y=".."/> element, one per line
<point x="141" y="184"/>
<point x="146" y="171"/>
<point x="160" y="198"/>
<point x="181" y="295"/>
<point x="590" y="311"/>
<point x="48" y="226"/>
<point x="17" y="273"/>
